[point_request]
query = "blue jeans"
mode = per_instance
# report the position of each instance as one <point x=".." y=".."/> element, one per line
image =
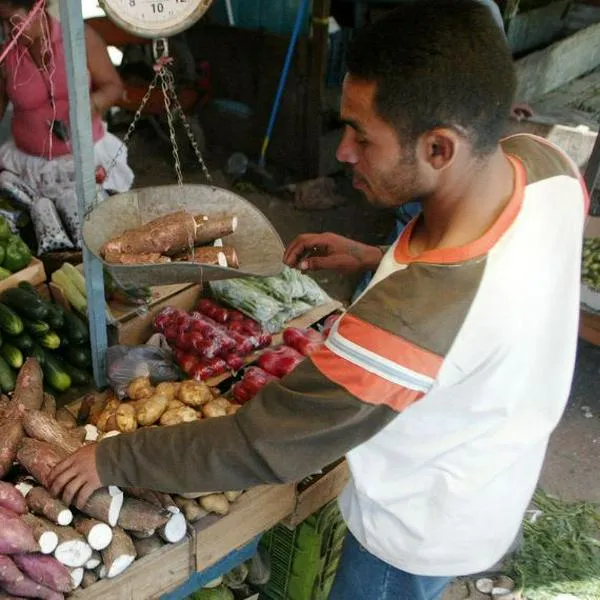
<point x="362" y="576"/>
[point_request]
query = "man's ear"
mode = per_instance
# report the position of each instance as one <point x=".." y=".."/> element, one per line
<point x="439" y="147"/>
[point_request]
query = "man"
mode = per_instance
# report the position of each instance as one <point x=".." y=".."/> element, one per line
<point x="441" y="384"/>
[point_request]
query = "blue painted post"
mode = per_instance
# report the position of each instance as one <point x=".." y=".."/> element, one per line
<point x="83" y="155"/>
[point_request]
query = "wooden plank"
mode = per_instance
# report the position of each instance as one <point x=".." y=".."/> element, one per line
<point x="589" y="327"/>
<point x="148" y="578"/>
<point x="546" y="70"/>
<point x="34" y="273"/>
<point x="325" y="489"/>
<point x="257" y="511"/>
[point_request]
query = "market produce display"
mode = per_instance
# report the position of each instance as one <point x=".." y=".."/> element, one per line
<point x="590" y="270"/>
<point x="14" y="252"/>
<point x="211" y="339"/>
<point x="48" y="549"/>
<point x="33" y="326"/>
<point x="177" y="236"/>
<point x="271" y="301"/>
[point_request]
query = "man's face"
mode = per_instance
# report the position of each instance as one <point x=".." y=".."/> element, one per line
<point x="12" y="18"/>
<point x="386" y="172"/>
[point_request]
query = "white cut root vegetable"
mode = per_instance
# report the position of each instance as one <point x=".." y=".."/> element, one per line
<point x="41" y="503"/>
<point x="77" y="576"/>
<point x="94" y="561"/>
<point x="45" y="536"/>
<point x="119" y="554"/>
<point x="174" y="529"/>
<point x="148" y="545"/>
<point x="98" y="534"/>
<point x="105" y="505"/>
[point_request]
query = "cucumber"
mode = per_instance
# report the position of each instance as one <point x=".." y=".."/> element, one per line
<point x="54" y="372"/>
<point x="50" y="340"/>
<point x="12" y="355"/>
<point x="55" y="317"/>
<point x="25" y="303"/>
<point x="79" y="377"/>
<point x="75" y="329"/>
<point x="37" y="328"/>
<point x="39" y="353"/>
<point x="8" y="378"/>
<point x="23" y="342"/>
<point x="79" y="356"/>
<point x="10" y="322"/>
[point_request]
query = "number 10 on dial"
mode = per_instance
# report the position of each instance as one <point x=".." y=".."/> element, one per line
<point x="155" y="18"/>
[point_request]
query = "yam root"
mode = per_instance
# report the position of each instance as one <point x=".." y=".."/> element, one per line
<point x="142" y="535"/>
<point x="89" y="579"/>
<point x="139" y="515"/>
<point x="76" y="576"/>
<point x="49" y="405"/>
<point x="65" y="418"/>
<point x="41" y="503"/>
<point x="11" y="434"/>
<point x="191" y="510"/>
<point x="126" y="418"/>
<point x="11" y="499"/>
<point x="105" y="505"/>
<point x="40" y="426"/>
<point x="39" y="458"/>
<point x="119" y="554"/>
<point x="98" y="534"/>
<point x="148" y="545"/>
<point x="29" y="391"/>
<point x="94" y="561"/>
<point x="209" y="229"/>
<point x="140" y="388"/>
<point x="223" y="256"/>
<point x="194" y="393"/>
<point x="27" y="588"/>
<point x="45" y="570"/>
<point x="149" y="496"/>
<point x="145" y="258"/>
<point x="150" y="411"/>
<point x="45" y="536"/>
<point x="72" y="549"/>
<point x="215" y="503"/>
<point x="91" y="408"/>
<point x="15" y="535"/>
<point x="174" y="529"/>
<point x="177" y="416"/>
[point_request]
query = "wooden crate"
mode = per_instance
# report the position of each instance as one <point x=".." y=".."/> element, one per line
<point x="589" y="324"/>
<point x="34" y="274"/>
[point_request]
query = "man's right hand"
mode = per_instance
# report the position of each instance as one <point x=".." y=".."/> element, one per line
<point x="316" y="251"/>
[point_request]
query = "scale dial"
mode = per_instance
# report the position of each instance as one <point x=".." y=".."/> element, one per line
<point x="155" y="18"/>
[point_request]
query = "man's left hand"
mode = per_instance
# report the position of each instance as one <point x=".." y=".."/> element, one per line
<point x="76" y="478"/>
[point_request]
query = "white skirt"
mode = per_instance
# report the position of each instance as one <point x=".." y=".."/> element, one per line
<point x="55" y="180"/>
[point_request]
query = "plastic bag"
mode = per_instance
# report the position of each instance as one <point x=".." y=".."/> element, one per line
<point x="14" y="188"/>
<point x="124" y="363"/>
<point x="49" y="231"/>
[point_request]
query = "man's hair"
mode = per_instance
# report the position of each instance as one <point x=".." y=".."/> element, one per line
<point x="438" y="63"/>
<point x="26" y="4"/>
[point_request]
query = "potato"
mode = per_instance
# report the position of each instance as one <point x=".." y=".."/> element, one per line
<point x="215" y="503"/>
<point x="107" y="421"/>
<point x="233" y="495"/>
<point x="216" y="408"/>
<point x="233" y="408"/>
<point x="168" y="389"/>
<point x="173" y="404"/>
<point x="126" y="419"/>
<point x="140" y="388"/>
<point x="194" y="393"/>
<point x="216" y="392"/>
<point x="150" y="411"/>
<point x="178" y="415"/>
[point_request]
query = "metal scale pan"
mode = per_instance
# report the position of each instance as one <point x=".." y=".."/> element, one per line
<point x="258" y="245"/>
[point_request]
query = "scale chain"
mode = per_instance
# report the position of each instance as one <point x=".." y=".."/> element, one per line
<point x="167" y="83"/>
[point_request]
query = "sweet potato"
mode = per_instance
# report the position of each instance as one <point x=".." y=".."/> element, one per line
<point x="15" y="535"/>
<point x="150" y="411"/>
<point x="45" y="570"/>
<point x="11" y="434"/>
<point x="29" y="390"/>
<point x="27" y="588"/>
<point x="194" y="393"/>
<point x="11" y="499"/>
<point x="126" y="419"/>
<point x="42" y="427"/>
<point x="9" y="572"/>
<point x="177" y="416"/>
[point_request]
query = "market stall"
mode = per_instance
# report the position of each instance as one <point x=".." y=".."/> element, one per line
<point x="186" y="316"/>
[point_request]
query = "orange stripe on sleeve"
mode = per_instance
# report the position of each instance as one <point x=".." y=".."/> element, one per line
<point x="389" y="346"/>
<point x="362" y="384"/>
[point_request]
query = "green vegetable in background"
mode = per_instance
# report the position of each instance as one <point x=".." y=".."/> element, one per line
<point x="5" y="231"/>
<point x="17" y="254"/>
<point x="2" y="254"/>
<point x="4" y="273"/>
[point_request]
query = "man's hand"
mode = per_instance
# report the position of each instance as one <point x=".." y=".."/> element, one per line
<point x="315" y="251"/>
<point x="75" y="478"/>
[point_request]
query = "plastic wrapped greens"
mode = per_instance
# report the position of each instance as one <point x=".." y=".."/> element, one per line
<point x="272" y="301"/>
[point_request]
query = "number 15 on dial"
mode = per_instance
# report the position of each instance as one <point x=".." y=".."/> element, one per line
<point x="155" y="18"/>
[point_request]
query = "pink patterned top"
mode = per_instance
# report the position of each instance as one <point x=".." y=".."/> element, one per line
<point x="30" y="90"/>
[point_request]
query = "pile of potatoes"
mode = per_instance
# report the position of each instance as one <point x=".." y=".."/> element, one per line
<point x="169" y="403"/>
